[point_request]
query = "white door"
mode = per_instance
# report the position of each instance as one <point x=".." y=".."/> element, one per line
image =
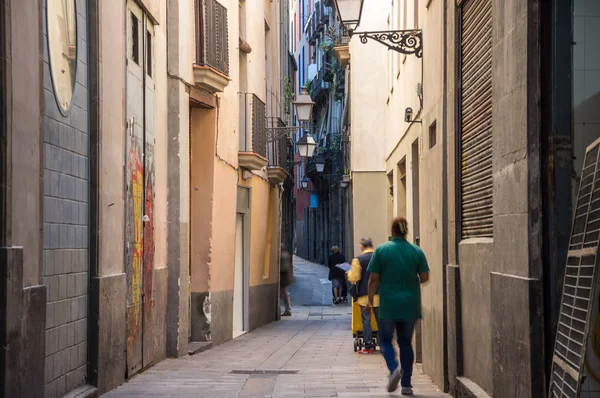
<point x="238" y="286"/>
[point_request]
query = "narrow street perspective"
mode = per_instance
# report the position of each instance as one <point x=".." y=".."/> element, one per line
<point x="279" y="198"/>
<point x="307" y="355"/>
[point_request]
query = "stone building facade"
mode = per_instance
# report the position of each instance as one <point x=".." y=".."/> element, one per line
<point x="135" y="224"/>
<point x="504" y="100"/>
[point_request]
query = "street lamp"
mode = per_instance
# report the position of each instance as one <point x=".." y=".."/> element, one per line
<point x="409" y="41"/>
<point x="306" y="146"/>
<point x="304" y="182"/>
<point x="320" y="164"/>
<point x="349" y="12"/>
<point x="303" y="106"/>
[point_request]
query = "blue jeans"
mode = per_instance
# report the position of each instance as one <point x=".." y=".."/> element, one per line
<point x="366" y="323"/>
<point x="404" y="332"/>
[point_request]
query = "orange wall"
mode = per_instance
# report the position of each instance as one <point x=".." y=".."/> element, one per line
<point x="201" y="196"/>
<point x="222" y="264"/>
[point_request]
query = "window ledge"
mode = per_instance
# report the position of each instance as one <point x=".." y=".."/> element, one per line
<point x="210" y="79"/>
<point x="251" y="161"/>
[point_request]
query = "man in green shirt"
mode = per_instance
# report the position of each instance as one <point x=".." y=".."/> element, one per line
<point x="397" y="269"/>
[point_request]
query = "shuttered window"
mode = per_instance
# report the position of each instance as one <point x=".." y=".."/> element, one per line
<point x="212" y="41"/>
<point x="476" y="118"/>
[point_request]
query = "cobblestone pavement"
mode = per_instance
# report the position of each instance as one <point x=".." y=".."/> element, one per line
<point x="307" y="355"/>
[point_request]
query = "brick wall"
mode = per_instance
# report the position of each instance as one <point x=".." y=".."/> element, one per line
<point x="66" y="175"/>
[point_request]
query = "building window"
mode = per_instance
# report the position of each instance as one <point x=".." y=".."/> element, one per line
<point x="149" y="54"/>
<point x="135" y="39"/>
<point x="432" y="135"/>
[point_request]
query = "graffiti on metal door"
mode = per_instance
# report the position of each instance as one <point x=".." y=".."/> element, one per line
<point x="134" y="263"/>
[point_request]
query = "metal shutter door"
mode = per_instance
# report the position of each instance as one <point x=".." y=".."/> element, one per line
<point x="579" y="283"/>
<point x="476" y="118"/>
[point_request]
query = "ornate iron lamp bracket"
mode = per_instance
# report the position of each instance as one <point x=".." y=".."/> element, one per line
<point x="403" y="41"/>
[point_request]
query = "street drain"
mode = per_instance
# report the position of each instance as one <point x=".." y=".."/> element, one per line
<point x="264" y="372"/>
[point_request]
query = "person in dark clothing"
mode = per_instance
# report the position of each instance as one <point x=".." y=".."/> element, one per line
<point x="337" y="276"/>
<point x="286" y="278"/>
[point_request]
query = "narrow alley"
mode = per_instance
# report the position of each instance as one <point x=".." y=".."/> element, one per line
<point x="307" y="355"/>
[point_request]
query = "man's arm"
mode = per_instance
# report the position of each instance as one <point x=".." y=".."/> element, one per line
<point x="423" y="267"/>
<point x="373" y="287"/>
<point x="355" y="272"/>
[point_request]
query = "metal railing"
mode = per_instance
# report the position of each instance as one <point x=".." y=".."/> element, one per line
<point x="253" y="124"/>
<point x="212" y="39"/>
<point x="277" y="146"/>
<point x="319" y="86"/>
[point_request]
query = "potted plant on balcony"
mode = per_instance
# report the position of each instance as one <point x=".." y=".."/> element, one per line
<point x="326" y="44"/>
<point x="289" y="95"/>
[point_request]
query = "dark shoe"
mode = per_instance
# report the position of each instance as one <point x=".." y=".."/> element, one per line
<point x="287" y="313"/>
<point x="394" y="380"/>
<point x="345" y="300"/>
<point x="407" y="391"/>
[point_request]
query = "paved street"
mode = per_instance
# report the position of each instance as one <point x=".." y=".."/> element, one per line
<point x="307" y="355"/>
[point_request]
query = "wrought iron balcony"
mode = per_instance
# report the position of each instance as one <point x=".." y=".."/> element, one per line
<point x="211" y="69"/>
<point x="321" y="15"/>
<point x="319" y="86"/>
<point x="277" y="151"/>
<point x="253" y="132"/>
<point x="312" y="32"/>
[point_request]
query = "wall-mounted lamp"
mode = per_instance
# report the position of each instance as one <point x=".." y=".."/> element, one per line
<point x="320" y="164"/>
<point x="304" y="182"/>
<point x="408" y="116"/>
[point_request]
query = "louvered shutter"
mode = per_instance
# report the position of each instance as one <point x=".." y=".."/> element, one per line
<point x="581" y="274"/>
<point x="476" y="118"/>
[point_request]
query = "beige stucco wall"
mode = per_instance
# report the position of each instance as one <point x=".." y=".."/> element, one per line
<point x="367" y="133"/>
<point x="112" y="149"/>
<point x="369" y="207"/>
<point x="161" y="111"/>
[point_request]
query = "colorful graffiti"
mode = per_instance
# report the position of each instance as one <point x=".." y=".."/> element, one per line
<point x="148" y="245"/>
<point x="140" y="254"/>
<point x="136" y="243"/>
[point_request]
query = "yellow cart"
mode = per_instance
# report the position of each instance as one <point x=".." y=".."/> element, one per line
<point x="359" y="342"/>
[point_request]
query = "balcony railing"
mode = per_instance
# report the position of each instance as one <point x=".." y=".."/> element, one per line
<point x="312" y="32"/>
<point x="212" y="39"/>
<point x="277" y="147"/>
<point x="253" y="118"/>
<point x="319" y="86"/>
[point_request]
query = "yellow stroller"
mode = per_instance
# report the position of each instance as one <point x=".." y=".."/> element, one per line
<point x="359" y="341"/>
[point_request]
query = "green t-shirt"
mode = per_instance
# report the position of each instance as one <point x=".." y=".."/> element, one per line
<point x="398" y="262"/>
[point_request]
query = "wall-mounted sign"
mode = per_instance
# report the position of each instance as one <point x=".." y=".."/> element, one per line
<point x="314" y="201"/>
